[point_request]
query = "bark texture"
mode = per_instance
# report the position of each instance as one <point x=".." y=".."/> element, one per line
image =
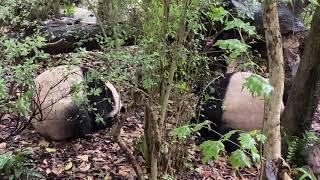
<point x="272" y="147"/>
<point x="303" y="98"/>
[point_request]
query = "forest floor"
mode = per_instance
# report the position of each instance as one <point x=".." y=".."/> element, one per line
<point x="99" y="157"/>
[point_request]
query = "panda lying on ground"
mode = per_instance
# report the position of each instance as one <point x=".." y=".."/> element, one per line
<point x="58" y="115"/>
<point x="229" y="107"/>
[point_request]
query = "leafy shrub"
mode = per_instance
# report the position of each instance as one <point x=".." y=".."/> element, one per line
<point x="14" y="166"/>
<point x="19" y="63"/>
<point x="212" y="149"/>
<point x="17" y="13"/>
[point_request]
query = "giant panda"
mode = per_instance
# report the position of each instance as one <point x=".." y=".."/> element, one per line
<point x="229" y="106"/>
<point x="58" y="116"/>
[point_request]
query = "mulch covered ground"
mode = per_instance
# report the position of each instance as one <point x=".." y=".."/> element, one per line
<point x="99" y="157"/>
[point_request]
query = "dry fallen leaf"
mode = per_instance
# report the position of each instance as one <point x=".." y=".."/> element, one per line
<point x="98" y="159"/>
<point x="24" y="142"/>
<point x="3" y="145"/>
<point x="48" y="171"/>
<point x="123" y="172"/>
<point x="84" y="167"/>
<point x="106" y="168"/>
<point x="57" y="170"/>
<point x="44" y="143"/>
<point x="84" y="158"/>
<point x="119" y="160"/>
<point x="2" y="126"/>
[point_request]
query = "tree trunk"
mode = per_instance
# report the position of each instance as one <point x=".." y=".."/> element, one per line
<point x="272" y="147"/>
<point x="303" y="98"/>
<point x="105" y="11"/>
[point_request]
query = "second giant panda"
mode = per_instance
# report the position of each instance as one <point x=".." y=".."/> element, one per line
<point x="229" y="106"/>
<point x="59" y="116"/>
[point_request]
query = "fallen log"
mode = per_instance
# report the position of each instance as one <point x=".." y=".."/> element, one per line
<point x="66" y="35"/>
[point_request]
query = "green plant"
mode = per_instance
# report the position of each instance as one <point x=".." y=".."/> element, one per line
<point x="212" y="149"/>
<point x="68" y="7"/>
<point x="305" y="174"/>
<point x="19" y="63"/>
<point x="17" y="12"/>
<point x="308" y="11"/>
<point x="296" y="145"/>
<point x="14" y="166"/>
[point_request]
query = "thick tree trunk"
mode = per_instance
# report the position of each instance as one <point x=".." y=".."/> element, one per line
<point x="272" y="148"/>
<point x="303" y="98"/>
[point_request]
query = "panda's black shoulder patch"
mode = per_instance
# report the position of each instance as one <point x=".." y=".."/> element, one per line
<point x="102" y="104"/>
<point x="209" y="106"/>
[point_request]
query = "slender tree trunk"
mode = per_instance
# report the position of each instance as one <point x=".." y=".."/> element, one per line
<point x="105" y="11"/>
<point x="272" y="147"/>
<point x="166" y="11"/>
<point x="304" y="97"/>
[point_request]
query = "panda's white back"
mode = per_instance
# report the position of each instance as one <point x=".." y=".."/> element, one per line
<point x="241" y="110"/>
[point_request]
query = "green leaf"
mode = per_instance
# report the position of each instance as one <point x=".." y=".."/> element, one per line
<point x="182" y="132"/>
<point x="255" y="155"/>
<point x="4" y="158"/>
<point x="99" y="119"/>
<point x="199" y="126"/>
<point x="3" y="89"/>
<point x="310" y="137"/>
<point x="258" y="86"/>
<point x="261" y="138"/>
<point x="247" y="141"/>
<point x="232" y="46"/>
<point x="217" y="13"/>
<point x="211" y="149"/>
<point x="148" y="83"/>
<point x="18" y="172"/>
<point x="238" y="23"/>
<point x="23" y="103"/>
<point x="228" y="135"/>
<point x="314" y="2"/>
<point x="239" y="159"/>
<point x="183" y="86"/>
<point x="96" y="91"/>
<point x="305" y="174"/>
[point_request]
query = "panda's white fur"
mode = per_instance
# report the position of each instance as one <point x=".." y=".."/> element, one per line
<point x="230" y="107"/>
<point x="116" y="97"/>
<point x="240" y="109"/>
<point x="53" y="102"/>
